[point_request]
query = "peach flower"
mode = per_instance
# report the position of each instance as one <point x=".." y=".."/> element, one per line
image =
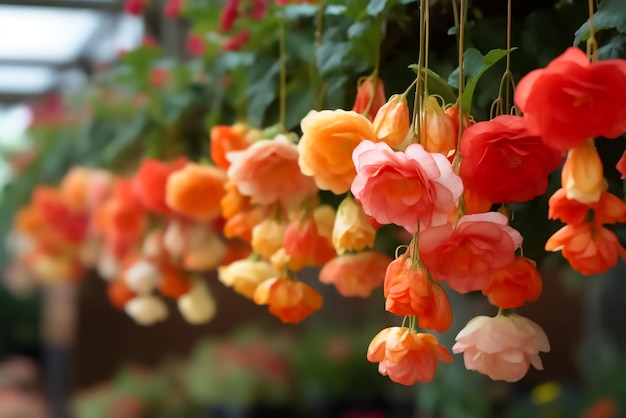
<point x="289" y="300"/>
<point x="352" y="230"/>
<point x="198" y="305"/>
<point x="268" y="236"/>
<point x="409" y="291"/>
<point x="582" y="176"/>
<point x="405" y="188"/>
<point x="392" y="123"/>
<point x="305" y="245"/>
<point x="268" y="172"/>
<point x="405" y="356"/>
<point x="245" y="275"/>
<point x="589" y="248"/>
<point x="513" y="285"/>
<point x="466" y="256"/>
<point x="146" y="310"/>
<point x="195" y="191"/>
<point x="356" y="274"/>
<point x="437" y="131"/>
<point x="608" y="210"/>
<point x="502" y="347"/>
<point x="328" y="139"/>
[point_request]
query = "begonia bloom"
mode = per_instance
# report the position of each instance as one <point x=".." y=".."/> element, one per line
<point x="437" y="131"/>
<point x="502" y="347"/>
<point x="146" y="310"/>
<point x="404" y="188"/>
<point x="306" y="246"/>
<point x="609" y="209"/>
<point x="226" y="138"/>
<point x="582" y="176"/>
<point x="589" y="248"/>
<point x="356" y="274"/>
<point x="515" y="284"/>
<point x="352" y="231"/>
<point x="370" y="97"/>
<point x="268" y="236"/>
<point x="268" y="172"/>
<point x="405" y="356"/>
<point x="197" y="306"/>
<point x="195" y="191"/>
<point x="572" y="100"/>
<point x="408" y="291"/>
<point x="392" y="122"/>
<point x="504" y="163"/>
<point x="150" y="183"/>
<point x="466" y="256"/>
<point x="328" y="139"/>
<point x="290" y="300"/>
<point x="245" y="275"/>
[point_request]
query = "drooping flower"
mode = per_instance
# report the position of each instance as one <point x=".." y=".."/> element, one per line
<point x="572" y="100"/>
<point x="352" y="231"/>
<point x="582" y="176"/>
<point x="142" y="277"/>
<point x="119" y="294"/>
<point x="204" y="248"/>
<point x="370" y="97"/>
<point x="502" y="347"/>
<point x="621" y="166"/>
<point x="268" y="172"/>
<point x="198" y="305"/>
<point x="504" y="163"/>
<point x="405" y="356"/>
<point x="235" y="42"/>
<point x="589" y="248"/>
<point x="404" y="188"/>
<point x="306" y="245"/>
<point x="437" y="130"/>
<point x="245" y="275"/>
<point x="268" y="236"/>
<point x="328" y="139"/>
<point x="608" y="210"/>
<point x="195" y="191"/>
<point x="229" y="14"/>
<point x="150" y="183"/>
<point x="409" y="291"/>
<point x="175" y="281"/>
<point x="290" y="300"/>
<point x="392" y="122"/>
<point x="515" y="284"/>
<point x="356" y="274"/>
<point x="227" y="138"/>
<point x="466" y="256"/>
<point x="196" y="45"/>
<point x="146" y="310"/>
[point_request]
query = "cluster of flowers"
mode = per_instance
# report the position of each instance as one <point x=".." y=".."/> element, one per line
<point x="256" y="215"/>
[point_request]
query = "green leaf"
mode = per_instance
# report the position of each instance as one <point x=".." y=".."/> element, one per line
<point x="364" y="38"/>
<point x="437" y="85"/>
<point x="376" y="7"/>
<point x="474" y="66"/>
<point x="615" y="48"/>
<point x="611" y="14"/>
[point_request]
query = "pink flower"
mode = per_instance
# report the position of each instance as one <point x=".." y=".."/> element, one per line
<point x="235" y="43"/>
<point x="134" y="7"/>
<point x="229" y="14"/>
<point x="502" y="347"/>
<point x="404" y="188"/>
<point x="172" y="8"/>
<point x="466" y="256"/>
<point x="268" y="171"/>
<point x="195" y="45"/>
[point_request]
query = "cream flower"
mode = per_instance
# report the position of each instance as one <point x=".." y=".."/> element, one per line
<point x="502" y="347"/>
<point x="351" y="230"/>
<point x="245" y="275"/>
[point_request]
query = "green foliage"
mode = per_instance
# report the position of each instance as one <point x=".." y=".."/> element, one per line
<point x="611" y="14"/>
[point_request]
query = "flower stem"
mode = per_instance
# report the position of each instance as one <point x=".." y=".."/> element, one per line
<point x="283" y="75"/>
<point x="592" y="44"/>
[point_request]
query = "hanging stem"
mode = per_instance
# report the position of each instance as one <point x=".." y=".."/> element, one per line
<point x="374" y="75"/>
<point x="503" y="104"/>
<point x="592" y="44"/>
<point x="419" y="88"/>
<point x="283" y="76"/>
<point x="457" y="156"/>
<point x="319" y="21"/>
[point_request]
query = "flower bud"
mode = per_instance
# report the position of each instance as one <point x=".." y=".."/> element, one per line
<point x="582" y="176"/>
<point x="371" y="93"/>
<point x="392" y="122"/>
<point x="437" y="133"/>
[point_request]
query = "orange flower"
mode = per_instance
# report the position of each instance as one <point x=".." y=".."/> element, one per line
<point x="74" y="188"/>
<point x="174" y="282"/>
<point x="119" y="294"/>
<point x="582" y="175"/>
<point x="475" y="203"/>
<point x="305" y="246"/>
<point x="268" y="172"/>
<point x="588" y="247"/>
<point x="513" y="285"/>
<point x="151" y="180"/>
<point x="410" y="292"/>
<point x="28" y="220"/>
<point x="195" y="191"/>
<point x="621" y="166"/>
<point x="225" y="139"/>
<point x="392" y="122"/>
<point x="328" y="139"/>
<point x="437" y="131"/>
<point x="405" y="356"/>
<point x="289" y="300"/>
<point x="608" y="210"/>
<point x="241" y="225"/>
<point x="233" y="202"/>
<point x="356" y="274"/>
<point x="370" y="96"/>
<point x="70" y="224"/>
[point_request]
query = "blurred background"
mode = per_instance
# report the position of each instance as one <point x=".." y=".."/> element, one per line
<point x="79" y="84"/>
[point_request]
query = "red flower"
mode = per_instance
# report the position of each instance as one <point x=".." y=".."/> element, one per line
<point x="503" y="162"/>
<point x="134" y="7"/>
<point x="151" y="180"/>
<point x="195" y="45"/>
<point x="621" y="166"/>
<point x="370" y="97"/>
<point x="172" y="8"/>
<point x="572" y="100"/>
<point x="236" y="42"/>
<point x="229" y="14"/>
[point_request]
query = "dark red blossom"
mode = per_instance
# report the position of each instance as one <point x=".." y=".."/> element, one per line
<point x="172" y="8"/>
<point x="196" y="45"/>
<point x="236" y="42"/>
<point x="572" y="100"/>
<point x="134" y="7"/>
<point x="229" y="14"/>
<point x="504" y="162"/>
